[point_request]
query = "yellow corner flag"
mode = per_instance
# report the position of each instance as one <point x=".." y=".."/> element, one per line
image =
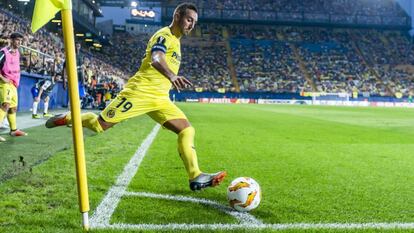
<point x="45" y="10"/>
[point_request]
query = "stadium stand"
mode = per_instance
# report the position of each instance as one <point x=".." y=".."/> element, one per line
<point x="255" y="58"/>
<point x="291" y="59"/>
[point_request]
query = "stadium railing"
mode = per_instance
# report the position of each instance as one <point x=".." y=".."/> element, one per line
<point x="39" y="68"/>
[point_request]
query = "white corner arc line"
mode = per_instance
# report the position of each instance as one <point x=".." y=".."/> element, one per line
<point x="242" y="217"/>
<point x="104" y="211"/>
<point x="102" y="215"/>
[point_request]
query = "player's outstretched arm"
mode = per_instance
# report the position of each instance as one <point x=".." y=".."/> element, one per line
<point x="159" y="63"/>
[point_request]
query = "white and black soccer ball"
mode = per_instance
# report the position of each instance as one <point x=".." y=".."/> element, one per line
<point x="244" y="194"/>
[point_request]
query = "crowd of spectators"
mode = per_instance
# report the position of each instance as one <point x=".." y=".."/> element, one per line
<point x="267" y="66"/>
<point x="204" y="61"/>
<point x="349" y="7"/>
<point x="34" y="45"/>
<point x="333" y="64"/>
<point x="42" y="53"/>
<point x="127" y="51"/>
<point x="264" y="58"/>
<point x="335" y="11"/>
<point x="210" y="31"/>
<point x="384" y="51"/>
<point x="206" y="66"/>
<point x="278" y="59"/>
<point x="337" y="60"/>
<point x="399" y="80"/>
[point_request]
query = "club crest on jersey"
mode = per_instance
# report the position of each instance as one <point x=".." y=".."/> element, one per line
<point x="161" y="40"/>
<point x="110" y="113"/>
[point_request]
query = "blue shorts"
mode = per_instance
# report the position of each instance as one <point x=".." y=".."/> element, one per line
<point x="35" y="93"/>
<point x="82" y="92"/>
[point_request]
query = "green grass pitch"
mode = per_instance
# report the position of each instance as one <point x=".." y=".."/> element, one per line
<point x="315" y="164"/>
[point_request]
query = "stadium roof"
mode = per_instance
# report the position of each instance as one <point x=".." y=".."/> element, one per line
<point x="115" y="3"/>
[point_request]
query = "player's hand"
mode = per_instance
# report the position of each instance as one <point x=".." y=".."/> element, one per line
<point x="37" y="99"/>
<point x="180" y="82"/>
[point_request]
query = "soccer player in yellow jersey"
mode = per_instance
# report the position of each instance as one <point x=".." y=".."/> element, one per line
<point x="147" y="92"/>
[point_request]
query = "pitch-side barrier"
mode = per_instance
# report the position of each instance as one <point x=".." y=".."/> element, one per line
<point x="302" y="102"/>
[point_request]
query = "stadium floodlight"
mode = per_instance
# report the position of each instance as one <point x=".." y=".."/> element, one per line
<point x="134" y="4"/>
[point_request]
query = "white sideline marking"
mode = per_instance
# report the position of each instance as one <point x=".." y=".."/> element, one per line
<point x="288" y="226"/>
<point x="105" y="210"/>
<point x="240" y="216"/>
<point x="25" y="121"/>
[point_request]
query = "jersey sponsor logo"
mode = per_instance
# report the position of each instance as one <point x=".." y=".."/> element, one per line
<point x="176" y="56"/>
<point x="110" y="113"/>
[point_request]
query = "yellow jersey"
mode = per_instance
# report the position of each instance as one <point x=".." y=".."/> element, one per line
<point x="149" y="81"/>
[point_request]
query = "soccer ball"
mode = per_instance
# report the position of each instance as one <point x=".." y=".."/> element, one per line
<point x="244" y="194"/>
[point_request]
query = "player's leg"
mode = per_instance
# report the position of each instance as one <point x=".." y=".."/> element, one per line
<point x="5" y="98"/>
<point x="89" y="120"/>
<point x="35" y="94"/>
<point x="3" y="111"/>
<point x="186" y="133"/>
<point x="46" y="99"/>
<point x="11" y="114"/>
<point x="4" y="107"/>
<point x="172" y="118"/>
<point x="11" y="117"/>
<point x="4" y="103"/>
<point x="126" y="105"/>
<point x="186" y="146"/>
<point x="123" y="107"/>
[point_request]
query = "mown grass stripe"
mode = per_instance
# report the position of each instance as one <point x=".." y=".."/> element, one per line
<point x="106" y="208"/>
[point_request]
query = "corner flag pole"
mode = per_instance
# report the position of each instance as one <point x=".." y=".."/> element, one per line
<point x="44" y="11"/>
<point x="77" y="132"/>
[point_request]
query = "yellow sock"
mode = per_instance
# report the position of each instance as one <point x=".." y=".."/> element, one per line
<point x="12" y="121"/>
<point x="187" y="152"/>
<point x="89" y="120"/>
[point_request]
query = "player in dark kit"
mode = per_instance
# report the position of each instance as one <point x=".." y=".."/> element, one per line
<point x="41" y="91"/>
